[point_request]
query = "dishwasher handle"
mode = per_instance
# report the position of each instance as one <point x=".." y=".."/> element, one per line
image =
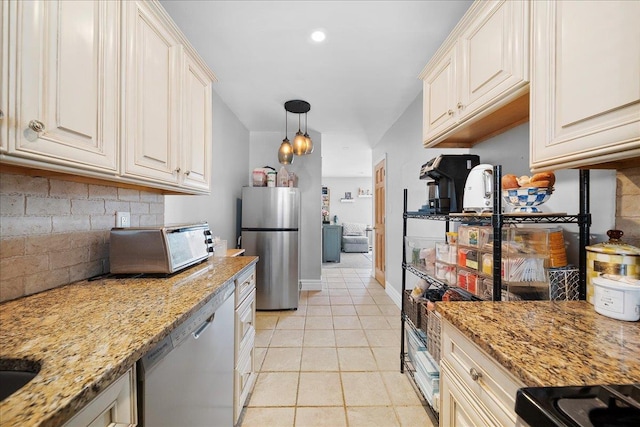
<point x="203" y="327"/>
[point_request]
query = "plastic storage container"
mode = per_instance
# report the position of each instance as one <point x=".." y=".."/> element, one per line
<point x="421" y="253"/>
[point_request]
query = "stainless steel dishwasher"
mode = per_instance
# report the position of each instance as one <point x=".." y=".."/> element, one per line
<point x="187" y="379"/>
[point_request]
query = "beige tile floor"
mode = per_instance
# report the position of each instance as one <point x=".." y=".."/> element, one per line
<point x="333" y="362"/>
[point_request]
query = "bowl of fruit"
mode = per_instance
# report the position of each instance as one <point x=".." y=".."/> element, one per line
<point x="524" y="194"/>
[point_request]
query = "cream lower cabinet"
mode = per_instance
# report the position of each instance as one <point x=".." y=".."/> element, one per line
<point x="61" y="102"/>
<point x="585" y="84"/>
<point x="474" y="389"/>
<point x="114" y="407"/>
<point x="482" y="67"/>
<point x="245" y="333"/>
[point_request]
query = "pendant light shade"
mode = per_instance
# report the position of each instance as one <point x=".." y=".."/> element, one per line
<point x="309" y="149"/>
<point x="299" y="142"/>
<point x="285" y="153"/>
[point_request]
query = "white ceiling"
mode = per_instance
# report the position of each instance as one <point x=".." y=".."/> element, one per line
<point x="358" y="81"/>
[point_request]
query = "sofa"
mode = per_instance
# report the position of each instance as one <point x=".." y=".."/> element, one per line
<point x="354" y="238"/>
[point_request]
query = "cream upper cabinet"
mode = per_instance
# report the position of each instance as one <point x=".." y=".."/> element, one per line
<point x="152" y="69"/>
<point x="4" y="74"/>
<point x="439" y="92"/>
<point x="585" y="88"/>
<point x="196" y="126"/>
<point x="476" y="84"/>
<point x="167" y="114"/>
<point x="63" y="97"/>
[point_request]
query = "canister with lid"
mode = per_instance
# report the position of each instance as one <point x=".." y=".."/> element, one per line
<point x="613" y="258"/>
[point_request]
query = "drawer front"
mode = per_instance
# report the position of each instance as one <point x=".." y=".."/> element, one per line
<point x="492" y="384"/>
<point x="244" y="379"/>
<point x="245" y="284"/>
<point x="245" y="319"/>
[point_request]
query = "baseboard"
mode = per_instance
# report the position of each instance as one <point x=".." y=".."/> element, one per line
<point x="393" y="294"/>
<point x="310" y="285"/>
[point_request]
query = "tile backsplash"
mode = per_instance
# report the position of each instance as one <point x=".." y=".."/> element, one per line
<point x="53" y="232"/>
<point x="628" y="204"/>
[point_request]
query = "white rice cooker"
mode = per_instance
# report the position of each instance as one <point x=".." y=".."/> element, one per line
<point x="478" y="190"/>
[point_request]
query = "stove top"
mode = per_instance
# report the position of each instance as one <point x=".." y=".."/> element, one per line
<point x="587" y="406"/>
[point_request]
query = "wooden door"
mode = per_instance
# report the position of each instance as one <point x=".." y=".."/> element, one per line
<point x="379" y="219"/>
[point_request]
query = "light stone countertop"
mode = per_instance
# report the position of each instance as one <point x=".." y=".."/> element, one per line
<point x="87" y="334"/>
<point x="551" y="343"/>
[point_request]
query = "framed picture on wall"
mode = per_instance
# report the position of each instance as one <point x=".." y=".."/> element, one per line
<point x="347" y="195"/>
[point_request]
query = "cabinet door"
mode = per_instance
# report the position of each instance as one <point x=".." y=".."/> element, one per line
<point x="585" y="91"/>
<point x="196" y="127"/>
<point x="63" y="88"/>
<point x="152" y="102"/>
<point x="439" y="92"/>
<point x="115" y="406"/>
<point x="494" y="55"/>
<point x="4" y="74"/>
<point x="457" y="407"/>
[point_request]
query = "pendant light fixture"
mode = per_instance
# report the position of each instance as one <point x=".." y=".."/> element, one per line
<point x="302" y="143"/>
<point x="285" y="153"/>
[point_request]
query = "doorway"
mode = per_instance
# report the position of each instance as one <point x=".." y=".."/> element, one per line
<point x="379" y="173"/>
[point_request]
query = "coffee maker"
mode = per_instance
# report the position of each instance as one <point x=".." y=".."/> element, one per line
<point x="446" y="176"/>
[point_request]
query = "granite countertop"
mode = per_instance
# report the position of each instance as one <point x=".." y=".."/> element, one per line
<point x="87" y="334"/>
<point x="551" y="343"/>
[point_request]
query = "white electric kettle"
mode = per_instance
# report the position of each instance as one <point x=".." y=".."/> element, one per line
<point x="478" y="190"/>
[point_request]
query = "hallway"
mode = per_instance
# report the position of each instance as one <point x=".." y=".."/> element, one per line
<point x="335" y="361"/>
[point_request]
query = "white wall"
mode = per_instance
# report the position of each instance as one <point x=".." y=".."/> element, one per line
<point x="230" y="168"/>
<point x="360" y="210"/>
<point x="264" y="152"/>
<point x="402" y="146"/>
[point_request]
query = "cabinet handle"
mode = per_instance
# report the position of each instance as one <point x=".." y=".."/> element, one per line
<point x="450" y="112"/>
<point x="460" y="105"/>
<point x="475" y="375"/>
<point x="177" y="170"/>
<point x="187" y="173"/>
<point x="1" y="114"/>
<point x="36" y="126"/>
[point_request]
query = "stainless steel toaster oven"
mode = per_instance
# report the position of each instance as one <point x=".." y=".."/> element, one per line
<point x="165" y="249"/>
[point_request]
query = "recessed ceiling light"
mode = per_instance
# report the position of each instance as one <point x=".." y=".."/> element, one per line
<point x="318" y="36"/>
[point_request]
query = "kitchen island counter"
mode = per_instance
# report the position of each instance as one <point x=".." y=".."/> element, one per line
<point x="551" y="343"/>
<point x="86" y="334"/>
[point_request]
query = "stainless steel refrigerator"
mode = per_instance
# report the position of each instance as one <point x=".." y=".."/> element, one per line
<point x="269" y="229"/>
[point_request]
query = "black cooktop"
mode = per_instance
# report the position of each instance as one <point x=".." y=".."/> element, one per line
<point x="587" y="406"/>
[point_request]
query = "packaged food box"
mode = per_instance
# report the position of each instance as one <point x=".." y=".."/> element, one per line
<point x="472" y="259"/>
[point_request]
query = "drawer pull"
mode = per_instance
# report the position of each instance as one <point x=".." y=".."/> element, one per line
<point x="475" y="375"/>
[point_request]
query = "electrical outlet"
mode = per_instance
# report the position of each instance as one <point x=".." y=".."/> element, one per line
<point x="123" y="219"/>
